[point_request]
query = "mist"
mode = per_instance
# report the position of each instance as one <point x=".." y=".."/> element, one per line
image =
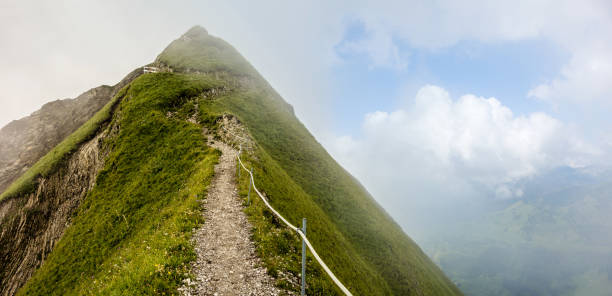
<point x="482" y="128"/>
<point x="506" y="204"/>
<point x="553" y="241"/>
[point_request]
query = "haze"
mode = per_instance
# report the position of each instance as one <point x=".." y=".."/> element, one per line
<point x="454" y="115"/>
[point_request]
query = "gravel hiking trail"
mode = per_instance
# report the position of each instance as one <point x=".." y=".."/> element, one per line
<point x="226" y="261"/>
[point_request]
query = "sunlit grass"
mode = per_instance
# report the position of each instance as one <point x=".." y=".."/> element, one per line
<point x="131" y="234"/>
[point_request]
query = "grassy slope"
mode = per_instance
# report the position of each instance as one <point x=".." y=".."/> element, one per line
<point x="56" y="157"/>
<point x="131" y="233"/>
<point x="130" y="236"/>
<point x="360" y="242"/>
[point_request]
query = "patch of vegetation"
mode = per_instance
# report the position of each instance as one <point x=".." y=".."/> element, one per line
<point x="366" y="249"/>
<point x="131" y="234"/>
<point x="49" y="163"/>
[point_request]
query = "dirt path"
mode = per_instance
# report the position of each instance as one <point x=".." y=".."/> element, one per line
<point x="226" y="264"/>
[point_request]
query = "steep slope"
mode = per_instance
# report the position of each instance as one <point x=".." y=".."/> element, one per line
<point x="362" y="243"/>
<point x="130" y="233"/>
<point x="37" y="207"/>
<point x="23" y="142"/>
<point x="31" y="225"/>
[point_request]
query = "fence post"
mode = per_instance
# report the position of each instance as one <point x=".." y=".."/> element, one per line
<point x="250" y="184"/>
<point x="238" y="158"/>
<point x="303" y="258"/>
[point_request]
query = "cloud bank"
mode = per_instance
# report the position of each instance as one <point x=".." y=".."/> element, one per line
<point x="437" y="149"/>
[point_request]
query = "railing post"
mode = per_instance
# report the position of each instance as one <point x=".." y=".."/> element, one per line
<point x="303" y="258"/>
<point x="238" y="158"/>
<point x="250" y="184"/>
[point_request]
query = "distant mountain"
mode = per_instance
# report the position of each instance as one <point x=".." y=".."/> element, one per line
<point x="111" y="209"/>
<point x="555" y="240"/>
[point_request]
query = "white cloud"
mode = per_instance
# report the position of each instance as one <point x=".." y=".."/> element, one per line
<point x="585" y="79"/>
<point x="379" y="46"/>
<point x="440" y="141"/>
<point x="438" y="159"/>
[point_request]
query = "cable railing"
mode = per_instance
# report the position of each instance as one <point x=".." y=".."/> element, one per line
<point x="300" y="231"/>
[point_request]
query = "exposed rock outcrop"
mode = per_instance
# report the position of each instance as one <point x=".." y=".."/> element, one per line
<point x="30" y="225"/>
<point x="23" y="142"/>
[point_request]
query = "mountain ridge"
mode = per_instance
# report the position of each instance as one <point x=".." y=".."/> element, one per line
<point x="210" y="80"/>
<point x="24" y="141"/>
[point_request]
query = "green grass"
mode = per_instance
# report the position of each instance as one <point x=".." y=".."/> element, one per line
<point x="356" y="238"/>
<point x="130" y="235"/>
<point x="366" y="249"/>
<point x="280" y="248"/>
<point x="49" y="163"/>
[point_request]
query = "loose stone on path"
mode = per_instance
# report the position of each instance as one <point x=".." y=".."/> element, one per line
<point x="226" y="261"/>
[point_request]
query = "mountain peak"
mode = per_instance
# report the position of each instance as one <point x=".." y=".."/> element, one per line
<point x="198" y="51"/>
<point x="195" y="32"/>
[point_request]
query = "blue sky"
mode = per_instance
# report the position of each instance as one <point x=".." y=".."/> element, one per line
<point x="505" y="70"/>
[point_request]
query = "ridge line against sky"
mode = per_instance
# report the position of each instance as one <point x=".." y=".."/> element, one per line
<point x="468" y="89"/>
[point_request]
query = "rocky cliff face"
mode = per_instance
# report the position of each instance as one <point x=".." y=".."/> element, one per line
<point x="31" y="225"/>
<point x="25" y="141"/>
